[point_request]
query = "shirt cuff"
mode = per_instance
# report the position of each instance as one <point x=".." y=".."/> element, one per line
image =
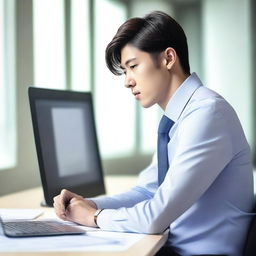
<point x="105" y="221"/>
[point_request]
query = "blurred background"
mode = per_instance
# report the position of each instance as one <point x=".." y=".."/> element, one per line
<point x="61" y="43"/>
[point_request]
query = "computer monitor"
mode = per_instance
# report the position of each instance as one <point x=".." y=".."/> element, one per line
<point x="66" y="142"/>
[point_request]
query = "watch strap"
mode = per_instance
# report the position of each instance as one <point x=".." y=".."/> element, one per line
<point x="96" y="214"/>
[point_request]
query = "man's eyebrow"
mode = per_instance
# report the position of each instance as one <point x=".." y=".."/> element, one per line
<point x="127" y="62"/>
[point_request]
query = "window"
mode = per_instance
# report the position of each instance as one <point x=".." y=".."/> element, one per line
<point x="70" y="38"/>
<point x="149" y="119"/>
<point x="49" y="44"/>
<point x="124" y="127"/>
<point x="80" y="46"/>
<point x="7" y="85"/>
<point x="115" y="107"/>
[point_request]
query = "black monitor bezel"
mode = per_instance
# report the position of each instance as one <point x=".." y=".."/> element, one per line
<point x="88" y="190"/>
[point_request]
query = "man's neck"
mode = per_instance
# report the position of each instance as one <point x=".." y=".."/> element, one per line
<point x="176" y="81"/>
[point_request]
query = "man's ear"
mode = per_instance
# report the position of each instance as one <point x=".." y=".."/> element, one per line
<point x="170" y="56"/>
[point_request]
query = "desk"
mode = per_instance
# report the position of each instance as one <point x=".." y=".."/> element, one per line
<point x="31" y="198"/>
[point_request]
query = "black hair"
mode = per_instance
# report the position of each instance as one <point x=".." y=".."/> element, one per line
<point x="153" y="34"/>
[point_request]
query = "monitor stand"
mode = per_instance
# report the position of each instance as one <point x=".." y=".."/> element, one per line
<point x="43" y="204"/>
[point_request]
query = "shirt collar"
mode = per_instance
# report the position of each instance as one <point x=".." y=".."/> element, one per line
<point x="181" y="97"/>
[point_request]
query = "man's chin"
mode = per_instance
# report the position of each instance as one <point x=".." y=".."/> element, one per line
<point x="147" y="104"/>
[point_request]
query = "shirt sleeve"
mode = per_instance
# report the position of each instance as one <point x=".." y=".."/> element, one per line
<point x="146" y="188"/>
<point x="200" y="149"/>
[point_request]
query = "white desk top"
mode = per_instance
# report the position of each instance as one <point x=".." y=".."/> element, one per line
<point x="31" y="198"/>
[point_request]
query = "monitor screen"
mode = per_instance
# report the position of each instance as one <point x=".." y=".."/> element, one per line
<point x="66" y="142"/>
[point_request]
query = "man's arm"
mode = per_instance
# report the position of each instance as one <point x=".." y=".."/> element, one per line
<point x="73" y="207"/>
<point x="145" y="190"/>
<point x="203" y="148"/>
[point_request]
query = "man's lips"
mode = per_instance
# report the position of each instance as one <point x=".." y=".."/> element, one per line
<point x="135" y="93"/>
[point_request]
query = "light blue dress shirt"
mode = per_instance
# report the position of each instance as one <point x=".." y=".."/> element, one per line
<point x="207" y="194"/>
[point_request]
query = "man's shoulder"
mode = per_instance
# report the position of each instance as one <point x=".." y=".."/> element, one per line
<point x="209" y="102"/>
<point x="206" y="97"/>
<point x="204" y="92"/>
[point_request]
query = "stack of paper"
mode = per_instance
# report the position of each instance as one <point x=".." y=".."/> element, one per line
<point x="19" y="214"/>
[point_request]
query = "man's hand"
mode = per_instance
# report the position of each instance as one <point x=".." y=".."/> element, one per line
<point x="72" y="207"/>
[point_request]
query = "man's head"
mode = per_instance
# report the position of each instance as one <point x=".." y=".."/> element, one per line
<point x="152" y="34"/>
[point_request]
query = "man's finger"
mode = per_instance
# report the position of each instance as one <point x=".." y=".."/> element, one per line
<point x="65" y="197"/>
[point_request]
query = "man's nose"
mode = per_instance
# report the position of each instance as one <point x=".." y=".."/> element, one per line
<point x="129" y="82"/>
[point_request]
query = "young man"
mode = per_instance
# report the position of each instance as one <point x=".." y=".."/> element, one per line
<point x="200" y="182"/>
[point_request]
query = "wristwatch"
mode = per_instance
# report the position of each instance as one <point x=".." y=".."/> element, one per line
<point x="96" y="214"/>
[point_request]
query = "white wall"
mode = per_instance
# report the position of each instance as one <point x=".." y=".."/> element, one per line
<point x="227" y="55"/>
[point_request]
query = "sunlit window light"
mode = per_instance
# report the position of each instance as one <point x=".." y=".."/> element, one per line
<point x="49" y="46"/>
<point x="149" y="123"/>
<point x="7" y="85"/>
<point x="115" y="106"/>
<point x="80" y="39"/>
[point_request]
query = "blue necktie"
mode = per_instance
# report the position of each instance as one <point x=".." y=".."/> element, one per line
<point x="162" y="151"/>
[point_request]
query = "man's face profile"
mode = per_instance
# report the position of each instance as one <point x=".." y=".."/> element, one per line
<point x="149" y="83"/>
